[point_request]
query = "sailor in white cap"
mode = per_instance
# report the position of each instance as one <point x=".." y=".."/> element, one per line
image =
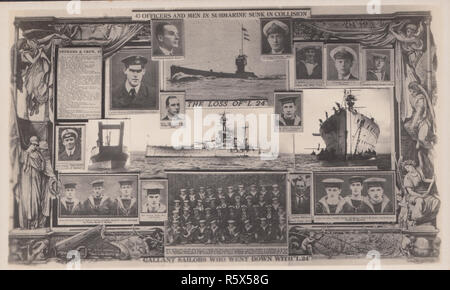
<point x="71" y="151"/>
<point x="152" y="192"/>
<point x="377" y="201"/>
<point x="332" y="202"/>
<point x="277" y="35"/>
<point x="344" y="57"/>
<point x="378" y="71"/>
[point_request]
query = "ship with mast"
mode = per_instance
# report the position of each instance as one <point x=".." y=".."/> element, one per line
<point x="224" y="144"/>
<point x="347" y="133"/>
<point x="179" y="73"/>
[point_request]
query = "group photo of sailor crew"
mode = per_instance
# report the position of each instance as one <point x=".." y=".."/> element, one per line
<point x="224" y="215"/>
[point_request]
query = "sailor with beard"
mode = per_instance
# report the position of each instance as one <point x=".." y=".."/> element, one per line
<point x="69" y="204"/>
<point x="376" y="201"/>
<point x="354" y="201"/>
<point x="332" y="202"/>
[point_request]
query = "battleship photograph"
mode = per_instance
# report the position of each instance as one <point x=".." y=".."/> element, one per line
<point x="352" y="128"/>
<point x="226" y="63"/>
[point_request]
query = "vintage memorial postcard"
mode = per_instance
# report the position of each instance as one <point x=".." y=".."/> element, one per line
<point x="294" y="135"/>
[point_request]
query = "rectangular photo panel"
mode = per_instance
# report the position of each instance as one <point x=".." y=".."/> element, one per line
<point x="226" y="65"/>
<point x="132" y="82"/>
<point x="79" y="83"/>
<point x="300" y="201"/>
<point x="378" y="66"/>
<point x="172" y="109"/>
<point x="92" y="199"/>
<point x="108" y="142"/>
<point x="167" y="39"/>
<point x="347" y="128"/>
<point x="309" y="64"/>
<point x="343" y="64"/>
<point x="244" y="213"/>
<point x="153" y="196"/>
<point x="348" y="197"/>
<point x="276" y="38"/>
<point x="70" y="147"/>
<point x="289" y="107"/>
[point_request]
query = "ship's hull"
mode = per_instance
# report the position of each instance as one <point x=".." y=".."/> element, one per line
<point x="349" y="135"/>
<point x="109" y="159"/>
<point x="167" y="151"/>
<point x="195" y="72"/>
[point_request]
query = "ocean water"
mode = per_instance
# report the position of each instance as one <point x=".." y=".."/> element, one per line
<point x="207" y="88"/>
<point x="156" y="167"/>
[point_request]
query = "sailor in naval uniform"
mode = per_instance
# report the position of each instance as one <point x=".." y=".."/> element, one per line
<point x="289" y="115"/>
<point x="277" y="36"/>
<point x="134" y="93"/>
<point x="332" y="202"/>
<point x="125" y="204"/>
<point x="376" y="201"/>
<point x="71" y="152"/>
<point x="153" y="195"/>
<point x="97" y="203"/>
<point x="354" y="202"/>
<point x="69" y="204"/>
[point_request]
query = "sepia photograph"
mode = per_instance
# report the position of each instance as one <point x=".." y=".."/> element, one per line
<point x="243" y="209"/>
<point x="347" y="128"/>
<point x="289" y="107"/>
<point x="343" y="64"/>
<point x="226" y="64"/>
<point x="309" y="70"/>
<point x="366" y="194"/>
<point x="300" y="198"/>
<point x="108" y="144"/>
<point x="240" y="137"/>
<point x="154" y="198"/>
<point x="134" y="82"/>
<point x="167" y="39"/>
<point x="276" y="37"/>
<point x="377" y="66"/>
<point x="172" y="109"/>
<point x="96" y="198"/>
<point x="70" y="145"/>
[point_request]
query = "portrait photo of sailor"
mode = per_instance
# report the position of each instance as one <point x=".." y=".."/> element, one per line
<point x="354" y="200"/>
<point x="377" y="200"/>
<point x="154" y="198"/>
<point x="98" y="203"/>
<point x="308" y="61"/>
<point x="330" y="201"/>
<point x="276" y="37"/>
<point x="70" y="145"/>
<point x="134" y="81"/>
<point x="343" y="62"/>
<point x="126" y="203"/>
<point x="378" y="64"/>
<point x="172" y="109"/>
<point x="289" y="108"/>
<point x="69" y="204"/>
<point x="167" y="38"/>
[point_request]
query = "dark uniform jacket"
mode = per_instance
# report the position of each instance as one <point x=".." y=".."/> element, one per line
<point x="302" y="72"/>
<point x="76" y="156"/>
<point x="101" y="206"/>
<point x="143" y="100"/>
<point x="125" y="207"/>
<point x="301" y="204"/>
<point x="69" y="207"/>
